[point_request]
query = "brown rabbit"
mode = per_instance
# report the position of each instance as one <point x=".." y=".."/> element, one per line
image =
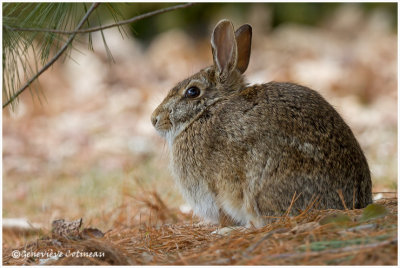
<point x="240" y="152"/>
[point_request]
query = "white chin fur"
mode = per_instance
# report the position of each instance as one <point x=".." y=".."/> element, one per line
<point x="171" y="134"/>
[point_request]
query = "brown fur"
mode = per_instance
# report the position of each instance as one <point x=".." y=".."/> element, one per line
<point x="243" y="151"/>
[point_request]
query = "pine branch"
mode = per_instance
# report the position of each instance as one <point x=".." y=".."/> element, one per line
<point x="100" y="28"/>
<point x="55" y="58"/>
<point x="73" y="33"/>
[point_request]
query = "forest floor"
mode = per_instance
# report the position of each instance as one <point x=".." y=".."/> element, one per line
<point x="88" y="150"/>
<point x="329" y="237"/>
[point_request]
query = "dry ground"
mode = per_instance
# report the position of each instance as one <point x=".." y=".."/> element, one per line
<point x="329" y="237"/>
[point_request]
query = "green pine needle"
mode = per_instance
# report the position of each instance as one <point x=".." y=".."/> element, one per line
<point x="20" y="46"/>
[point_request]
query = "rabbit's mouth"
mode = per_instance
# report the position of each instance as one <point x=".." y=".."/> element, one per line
<point x="163" y="128"/>
<point x="161" y="123"/>
<point x="170" y="131"/>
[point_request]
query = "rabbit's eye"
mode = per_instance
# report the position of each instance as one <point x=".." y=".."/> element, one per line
<point x="192" y="92"/>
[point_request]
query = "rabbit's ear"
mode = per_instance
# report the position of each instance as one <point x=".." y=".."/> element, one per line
<point x="243" y="39"/>
<point x="223" y="43"/>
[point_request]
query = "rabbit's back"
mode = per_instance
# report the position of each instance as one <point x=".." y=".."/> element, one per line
<point x="300" y="143"/>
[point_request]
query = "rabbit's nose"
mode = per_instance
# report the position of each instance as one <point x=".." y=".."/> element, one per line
<point x="154" y="119"/>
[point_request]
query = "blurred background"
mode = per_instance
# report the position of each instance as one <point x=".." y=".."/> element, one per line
<point x="86" y="147"/>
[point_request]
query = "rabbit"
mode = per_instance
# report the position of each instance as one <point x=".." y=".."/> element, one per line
<point x="243" y="154"/>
